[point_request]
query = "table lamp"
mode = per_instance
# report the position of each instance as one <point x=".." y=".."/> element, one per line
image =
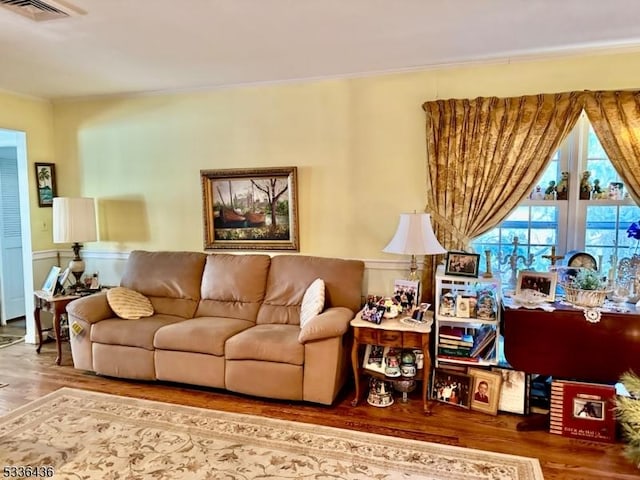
<point x="414" y="236"/>
<point x="74" y="221"/>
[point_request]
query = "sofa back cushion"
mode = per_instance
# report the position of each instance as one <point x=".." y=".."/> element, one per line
<point x="171" y="280"/>
<point x="233" y="286"/>
<point x="290" y="276"/>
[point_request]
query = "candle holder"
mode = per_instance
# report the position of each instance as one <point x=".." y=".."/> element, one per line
<point x="512" y="260"/>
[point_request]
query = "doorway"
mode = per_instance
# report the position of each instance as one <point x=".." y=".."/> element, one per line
<point x="16" y="263"/>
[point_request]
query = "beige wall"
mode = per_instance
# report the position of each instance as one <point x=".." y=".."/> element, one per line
<point x="35" y="118"/>
<point x="358" y="144"/>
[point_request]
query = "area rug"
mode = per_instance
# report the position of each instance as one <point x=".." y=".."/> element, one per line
<point x="6" y="340"/>
<point x="88" y="435"/>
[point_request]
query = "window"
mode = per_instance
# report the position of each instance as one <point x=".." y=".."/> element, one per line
<point x="597" y="225"/>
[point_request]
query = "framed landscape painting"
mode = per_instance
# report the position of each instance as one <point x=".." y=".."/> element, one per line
<point x="250" y="209"/>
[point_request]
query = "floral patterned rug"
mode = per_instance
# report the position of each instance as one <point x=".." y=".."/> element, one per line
<point x="80" y="434"/>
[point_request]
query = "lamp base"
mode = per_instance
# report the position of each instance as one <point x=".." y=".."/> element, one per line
<point x="77" y="266"/>
<point x="413" y="269"/>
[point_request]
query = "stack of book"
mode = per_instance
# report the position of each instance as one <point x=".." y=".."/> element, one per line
<point x="484" y="345"/>
<point x="456" y="343"/>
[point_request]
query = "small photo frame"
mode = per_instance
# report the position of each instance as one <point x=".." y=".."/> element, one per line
<point x="485" y="394"/>
<point x="62" y="279"/>
<point x="49" y="285"/>
<point x="462" y="264"/>
<point x="463" y="307"/>
<point x="588" y="409"/>
<point x="514" y="392"/>
<point x="540" y="284"/>
<point x="46" y="182"/>
<point x="451" y="387"/>
<point x="407" y="294"/>
<point x="374" y="360"/>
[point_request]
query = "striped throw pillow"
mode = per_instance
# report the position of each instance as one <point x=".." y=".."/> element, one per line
<point x="312" y="302"/>
<point x="129" y="304"/>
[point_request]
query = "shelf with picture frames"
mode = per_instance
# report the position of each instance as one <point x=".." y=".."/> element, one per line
<point x="467" y="319"/>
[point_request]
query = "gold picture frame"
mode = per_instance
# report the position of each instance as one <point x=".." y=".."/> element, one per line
<point x="250" y="209"/>
<point x="485" y="390"/>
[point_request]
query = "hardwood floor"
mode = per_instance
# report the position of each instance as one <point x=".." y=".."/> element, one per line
<point x="30" y="376"/>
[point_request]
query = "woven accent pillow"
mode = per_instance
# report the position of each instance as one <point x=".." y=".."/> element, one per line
<point x="312" y="302"/>
<point x="129" y="304"/>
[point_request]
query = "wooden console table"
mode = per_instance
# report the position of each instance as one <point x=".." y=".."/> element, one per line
<point x="392" y="333"/>
<point x="563" y="344"/>
<point x="55" y="305"/>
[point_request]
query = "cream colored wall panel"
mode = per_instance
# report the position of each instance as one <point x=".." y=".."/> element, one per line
<point x="358" y="144"/>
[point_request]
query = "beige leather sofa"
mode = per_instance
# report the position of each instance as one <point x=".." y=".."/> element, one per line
<point x="226" y="321"/>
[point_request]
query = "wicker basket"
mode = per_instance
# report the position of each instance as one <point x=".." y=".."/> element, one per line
<point x="585" y="298"/>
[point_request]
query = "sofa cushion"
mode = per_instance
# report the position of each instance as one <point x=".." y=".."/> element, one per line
<point x="131" y="333"/>
<point x="312" y="301"/>
<point x="269" y="343"/>
<point x="129" y="304"/>
<point x="289" y="276"/>
<point x="233" y="286"/>
<point x="199" y="335"/>
<point x="171" y="280"/>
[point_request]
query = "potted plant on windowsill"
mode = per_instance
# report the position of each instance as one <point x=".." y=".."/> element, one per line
<point x="587" y="289"/>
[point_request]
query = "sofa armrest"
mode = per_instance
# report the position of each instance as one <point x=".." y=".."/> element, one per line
<point x="91" y="309"/>
<point x="333" y="322"/>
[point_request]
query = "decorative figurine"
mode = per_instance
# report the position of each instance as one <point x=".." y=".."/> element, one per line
<point x="596" y="191"/>
<point x="550" y="192"/>
<point x="585" y="186"/>
<point x="562" y="189"/>
<point x="537" y="193"/>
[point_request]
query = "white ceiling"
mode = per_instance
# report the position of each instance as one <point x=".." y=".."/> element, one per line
<point x="135" y="46"/>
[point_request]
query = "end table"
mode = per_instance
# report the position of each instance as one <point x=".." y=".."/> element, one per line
<point x="393" y="333"/>
<point x="56" y="305"/>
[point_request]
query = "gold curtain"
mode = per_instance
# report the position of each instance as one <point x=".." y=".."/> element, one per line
<point x="615" y="117"/>
<point x="484" y="156"/>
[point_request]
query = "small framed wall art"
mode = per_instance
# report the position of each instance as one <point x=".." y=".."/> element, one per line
<point x="462" y="264"/>
<point x="46" y="182"/>
<point x="250" y="209"/>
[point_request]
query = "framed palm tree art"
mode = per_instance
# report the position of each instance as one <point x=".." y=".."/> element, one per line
<point x="46" y="182"/>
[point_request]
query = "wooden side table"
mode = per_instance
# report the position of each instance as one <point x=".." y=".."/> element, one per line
<point x="392" y="333"/>
<point x="55" y="305"/>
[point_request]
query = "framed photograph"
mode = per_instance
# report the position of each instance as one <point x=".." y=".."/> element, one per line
<point x="451" y="387"/>
<point x="486" y="390"/>
<point x="62" y="279"/>
<point x="407" y="294"/>
<point x="46" y="182"/>
<point x="250" y="209"/>
<point x="463" y="307"/>
<point x="374" y="358"/>
<point x="50" y="283"/>
<point x="540" y="284"/>
<point x="462" y="264"/>
<point x="514" y="392"/>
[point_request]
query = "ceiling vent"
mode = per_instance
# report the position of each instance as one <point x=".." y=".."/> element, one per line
<point x="39" y="10"/>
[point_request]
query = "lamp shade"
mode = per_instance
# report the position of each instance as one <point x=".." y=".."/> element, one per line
<point x="74" y="220"/>
<point x="414" y="236"/>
